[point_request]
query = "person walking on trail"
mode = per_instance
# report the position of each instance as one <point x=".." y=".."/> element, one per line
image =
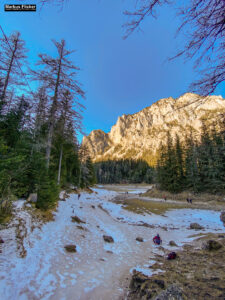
<point x="157" y="240"/>
<point x="78" y="196"/>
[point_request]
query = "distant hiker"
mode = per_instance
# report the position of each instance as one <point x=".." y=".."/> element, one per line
<point x="164" y="198"/>
<point x="190" y="200"/>
<point x="187" y="200"/>
<point x="157" y="240"/>
<point x="78" y="196"/>
<point x="171" y="255"/>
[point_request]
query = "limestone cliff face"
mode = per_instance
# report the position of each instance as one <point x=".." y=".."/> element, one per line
<point x="140" y="135"/>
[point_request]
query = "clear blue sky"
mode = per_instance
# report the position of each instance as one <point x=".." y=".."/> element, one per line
<point x="119" y="76"/>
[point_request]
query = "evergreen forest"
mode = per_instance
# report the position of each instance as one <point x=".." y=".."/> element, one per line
<point x="39" y="151"/>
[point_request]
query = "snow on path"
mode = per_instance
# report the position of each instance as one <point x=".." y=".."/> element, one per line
<point x="47" y="271"/>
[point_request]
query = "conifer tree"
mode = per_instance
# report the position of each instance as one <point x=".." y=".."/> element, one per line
<point x="58" y="75"/>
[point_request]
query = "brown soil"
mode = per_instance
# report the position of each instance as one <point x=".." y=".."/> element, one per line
<point x="199" y="274"/>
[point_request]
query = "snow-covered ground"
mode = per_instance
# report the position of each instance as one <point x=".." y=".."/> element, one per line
<point x="40" y="268"/>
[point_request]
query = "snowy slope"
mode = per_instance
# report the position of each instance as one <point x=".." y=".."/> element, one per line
<point x="47" y="271"/>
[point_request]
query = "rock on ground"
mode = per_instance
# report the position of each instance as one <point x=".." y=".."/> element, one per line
<point x="108" y="239"/>
<point x="211" y="245"/>
<point x="172" y="243"/>
<point x="77" y="220"/>
<point x="32" y="198"/>
<point x="222" y="217"/>
<point x="139" y="239"/>
<point x="71" y="248"/>
<point x="196" y="226"/>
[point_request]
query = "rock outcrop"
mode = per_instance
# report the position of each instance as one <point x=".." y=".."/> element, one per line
<point x="139" y="136"/>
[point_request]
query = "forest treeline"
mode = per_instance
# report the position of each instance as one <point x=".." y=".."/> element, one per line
<point x="123" y="171"/>
<point x="39" y="151"/>
<point x="196" y="165"/>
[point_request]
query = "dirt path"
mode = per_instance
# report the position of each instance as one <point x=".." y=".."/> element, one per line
<point x="98" y="270"/>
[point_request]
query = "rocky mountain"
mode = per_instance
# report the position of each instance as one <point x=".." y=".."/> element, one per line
<point x="138" y="136"/>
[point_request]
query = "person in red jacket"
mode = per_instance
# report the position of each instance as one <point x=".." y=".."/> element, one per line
<point x="157" y="240"/>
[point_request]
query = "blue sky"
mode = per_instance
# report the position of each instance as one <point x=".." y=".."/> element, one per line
<point x="119" y="76"/>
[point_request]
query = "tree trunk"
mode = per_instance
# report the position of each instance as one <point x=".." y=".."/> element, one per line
<point x="60" y="165"/>
<point x="9" y="71"/>
<point x="53" y="111"/>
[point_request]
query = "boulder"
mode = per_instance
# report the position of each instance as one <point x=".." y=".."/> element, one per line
<point x="77" y="220"/>
<point x="172" y="243"/>
<point x="1" y="241"/>
<point x="32" y="198"/>
<point x="196" y="226"/>
<point x="222" y="217"/>
<point x="71" y="248"/>
<point x="139" y="239"/>
<point x="211" y="245"/>
<point x="108" y="239"/>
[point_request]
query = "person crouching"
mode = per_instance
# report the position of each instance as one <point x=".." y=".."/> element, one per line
<point x="157" y="240"/>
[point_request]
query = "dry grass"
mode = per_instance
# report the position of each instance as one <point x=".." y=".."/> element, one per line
<point x="44" y="215"/>
<point x="204" y="197"/>
<point x="199" y="273"/>
<point x="141" y="206"/>
<point x="5" y="218"/>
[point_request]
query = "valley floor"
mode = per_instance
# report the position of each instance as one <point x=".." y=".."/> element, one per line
<point x="34" y="264"/>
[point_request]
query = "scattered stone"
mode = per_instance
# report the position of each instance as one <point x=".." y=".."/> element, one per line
<point x="139" y="239"/>
<point x="77" y="220"/>
<point x="196" y="226"/>
<point x="222" y="217"/>
<point x="98" y="226"/>
<point x="32" y="198"/>
<point x="108" y="251"/>
<point x="71" y="248"/>
<point x="93" y="206"/>
<point x="108" y="239"/>
<point x="211" y="245"/>
<point x="1" y="241"/>
<point x="172" y="243"/>
<point x="173" y="292"/>
<point x="102" y="259"/>
<point x="81" y="228"/>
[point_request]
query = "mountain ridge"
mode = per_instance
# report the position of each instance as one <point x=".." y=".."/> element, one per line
<point x="139" y="135"/>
